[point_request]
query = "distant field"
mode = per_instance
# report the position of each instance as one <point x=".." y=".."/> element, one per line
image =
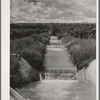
<point x="78" y="30"/>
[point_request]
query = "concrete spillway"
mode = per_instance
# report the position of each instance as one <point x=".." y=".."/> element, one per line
<point x="57" y="56"/>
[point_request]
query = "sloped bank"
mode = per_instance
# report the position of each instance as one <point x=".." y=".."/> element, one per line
<point x="21" y="72"/>
<point x="88" y="74"/>
<point x="27" y="58"/>
<point x="83" y="56"/>
<point x="27" y="71"/>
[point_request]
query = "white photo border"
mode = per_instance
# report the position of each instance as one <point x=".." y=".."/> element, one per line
<point x="5" y="49"/>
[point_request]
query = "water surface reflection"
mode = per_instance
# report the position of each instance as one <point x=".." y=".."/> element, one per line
<point x="58" y="90"/>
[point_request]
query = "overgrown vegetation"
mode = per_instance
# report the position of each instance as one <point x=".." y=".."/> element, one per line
<point x="30" y="40"/>
<point x="78" y="30"/>
<point x="79" y="39"/>
<point x="82" y="51"/>
<point x="29" y="45"/>
<point x="16" y="79"/>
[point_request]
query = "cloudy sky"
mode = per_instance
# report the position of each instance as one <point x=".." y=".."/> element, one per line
<point x="61" y="11"/>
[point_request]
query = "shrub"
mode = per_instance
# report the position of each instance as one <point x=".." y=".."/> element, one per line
<point x="67" y="39"/>
<point x="82" y="52"/>
<point x="78" y="30"/>
<point x="61" y="35"/>
<point x="31" y="50"/>
<point x="46" y="35"/>
<point x="74" y="41"/>
<point x="18" y="44"/>
<point x="40" y="38"/>
<point x="33" y="57"/>
<point x="14" y="65"/>
<point x="15" y="76"/>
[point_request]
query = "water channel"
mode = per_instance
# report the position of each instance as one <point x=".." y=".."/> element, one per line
<point x="56" y="86"/>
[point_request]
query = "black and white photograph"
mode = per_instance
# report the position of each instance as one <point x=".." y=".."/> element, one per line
<point x="53" y="50"/>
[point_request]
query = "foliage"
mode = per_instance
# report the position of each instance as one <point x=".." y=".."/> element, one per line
<point x="20" y="30"/>
<point x="67" y="39"/>
<point x="29" y="44"/>
<point x="30" y="40"/>
<point x="44" y="40"/>
<point x="31" y="49"/>
<point x="82" y="52"/>
<point x="15" y="77"/>
<point x="34" y="58"/>
<point x="78" y="30"/>
<point x="14" y="65"/>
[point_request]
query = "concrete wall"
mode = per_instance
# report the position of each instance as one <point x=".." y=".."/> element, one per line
<point x="88" y="74"/>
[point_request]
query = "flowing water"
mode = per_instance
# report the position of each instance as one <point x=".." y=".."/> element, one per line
<point x="59" y="78"/>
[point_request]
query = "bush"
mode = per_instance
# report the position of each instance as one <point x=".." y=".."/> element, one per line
<point x="32" y="49"/>
<point x="21" y="72"/>
<point x="14" y="65"/>
<point x="67" y="39"/>
<point x="15" y="76"/>
<point x="46" y="35"/>
<point x="78" y="30"/>
<point x="33" y="57"/>
<point x="44" y="40"/>
<point x="73" y="42"/>
<point x="19" y="44"/>
<point x="82" y="52"/>
<point x="61" y="35"/>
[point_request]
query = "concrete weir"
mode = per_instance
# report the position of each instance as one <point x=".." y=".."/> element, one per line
<point x="59" y="74"/>
<point x="57" y="62"/>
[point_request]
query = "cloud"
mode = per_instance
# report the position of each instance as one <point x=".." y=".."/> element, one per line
<point x="53" y="11"/>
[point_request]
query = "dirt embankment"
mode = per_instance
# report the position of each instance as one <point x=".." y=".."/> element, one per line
<point x="88" y="74"/>
<point x="27" y="71"/>
<point x="22" y="73"/>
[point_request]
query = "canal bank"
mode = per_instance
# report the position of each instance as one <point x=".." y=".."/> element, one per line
<point x="88" y="74"/>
